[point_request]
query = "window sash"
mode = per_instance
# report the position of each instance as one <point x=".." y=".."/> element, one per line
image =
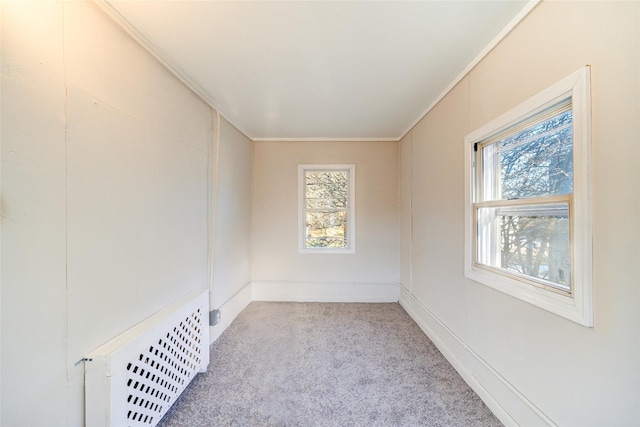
<point x="490" y="250"/>
<point x="488" y="168"/>
<point x="577" y="305"/>
<point x="331" y="206"/>
<point x="488" y="256"/>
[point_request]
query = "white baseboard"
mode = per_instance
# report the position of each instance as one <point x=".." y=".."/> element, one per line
<point x="325" y="292"/>
<point x="301" y="292"/>
<point x="404" y="297"/>
<point x="510" y="406"/>
<point x="229" y="311"/>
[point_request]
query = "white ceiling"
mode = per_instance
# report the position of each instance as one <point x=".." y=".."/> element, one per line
<point x="320" y="69"/>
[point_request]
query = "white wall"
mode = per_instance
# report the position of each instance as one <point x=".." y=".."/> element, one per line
<point x="231" y="285"/>
<point x="104" y="198"/>
<point x="279" y="271"/>
<point x="533" y="367"/>
<point x="104" y="214"/>
<point x="404" y="210"/>
<point x="33" y="216"/>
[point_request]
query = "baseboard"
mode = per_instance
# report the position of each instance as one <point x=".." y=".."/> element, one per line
<point x="324" y="291"/>
<point x="301" y="292"/>
<point x="229" y="311"/>
<point x="509" y="405"/>
<point x="405" y="297"/>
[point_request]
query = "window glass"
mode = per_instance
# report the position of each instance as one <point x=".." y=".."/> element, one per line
<point x="327" y="208"/>
<point x="326" y="195"/>
<point x="528" y="215"/>
<point x="531" y="162"/>
<point x="537" y="161"/>
<point x="533" y="242"/>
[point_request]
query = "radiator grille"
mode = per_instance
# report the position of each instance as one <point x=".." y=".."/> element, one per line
<point x="162" y="371"/>
<point x="152" y="369"/>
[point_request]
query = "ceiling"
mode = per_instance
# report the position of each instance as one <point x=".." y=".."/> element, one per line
<point x="319" y="69"/>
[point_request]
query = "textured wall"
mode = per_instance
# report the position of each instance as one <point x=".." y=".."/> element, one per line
<point x="539" y="367"/>
<point x="275" y="210"/>
<point x="33" y="264"/>
<point x="104" y="191"/>
<point x="232" y="269"/>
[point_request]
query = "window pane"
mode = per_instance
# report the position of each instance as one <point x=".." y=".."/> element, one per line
<point x="532" y="163"/>
<point x="326" y="184"/>
<point x="529" y="240"/>
<point x="317" y="203"/>
<point x="326" y="229"/>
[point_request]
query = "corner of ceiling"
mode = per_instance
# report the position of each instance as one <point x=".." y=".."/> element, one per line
<point x="526" y="9"/>
<point x="133" y="32"/>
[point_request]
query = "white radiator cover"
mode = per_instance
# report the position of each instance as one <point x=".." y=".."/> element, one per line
<point x="135" y="378"/>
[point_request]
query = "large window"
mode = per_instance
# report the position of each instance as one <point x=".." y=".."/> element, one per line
<point x="528" y="215"/>
<point x="326" y="208"/>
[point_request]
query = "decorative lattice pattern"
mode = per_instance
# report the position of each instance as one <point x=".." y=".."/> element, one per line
<point x="160" y="373"/>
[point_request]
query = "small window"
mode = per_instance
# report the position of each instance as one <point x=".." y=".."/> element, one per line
<point x="326" y="209"/>
<point x="528" y="215"/>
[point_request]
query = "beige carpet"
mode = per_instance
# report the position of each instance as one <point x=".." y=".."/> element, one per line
<point x="326" y="364"/>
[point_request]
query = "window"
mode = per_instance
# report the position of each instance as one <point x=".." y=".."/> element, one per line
<point x="326" y="209"/>
<point x="528" y="216"/>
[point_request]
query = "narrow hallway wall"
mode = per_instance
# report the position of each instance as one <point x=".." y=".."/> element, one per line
<point x="533" y="367"/>
<point x="279" y="270"/>
<point x="104" y="197"/>
<point x="231" y="281"/>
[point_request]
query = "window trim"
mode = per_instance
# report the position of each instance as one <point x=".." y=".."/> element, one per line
<point x="578" y="304"/>
<point x="351" y="208"/>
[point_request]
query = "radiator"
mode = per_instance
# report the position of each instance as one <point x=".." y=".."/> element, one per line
<point x="135" y="378"/>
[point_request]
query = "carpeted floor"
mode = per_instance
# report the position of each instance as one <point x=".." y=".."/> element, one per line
<point x="326" y="364"/>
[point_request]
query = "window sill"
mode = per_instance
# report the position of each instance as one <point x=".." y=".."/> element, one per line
<point x="326" y="251"/>
<point x="569" y="307"/>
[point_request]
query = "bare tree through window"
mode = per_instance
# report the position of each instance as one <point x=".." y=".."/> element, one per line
<point x="326" y="213"/>
<point x="528" y="216"/>
<point x="326" y="209"/>
<point x="531" y="164"/>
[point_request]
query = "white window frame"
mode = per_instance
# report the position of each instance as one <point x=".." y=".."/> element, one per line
<point x="576" y="305"/>
<point x="351" y="209"/>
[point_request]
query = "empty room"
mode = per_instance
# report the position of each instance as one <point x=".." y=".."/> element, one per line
<point x="320" y="213"/>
